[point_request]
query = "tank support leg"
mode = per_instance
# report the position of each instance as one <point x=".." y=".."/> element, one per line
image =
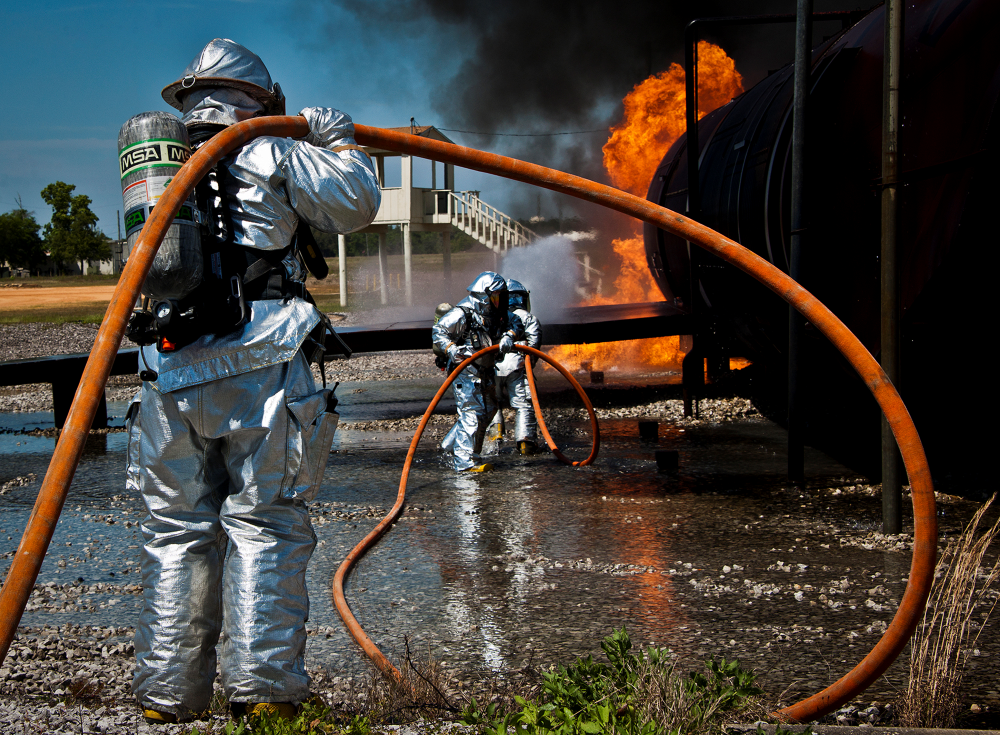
<point x="692" y="380"/>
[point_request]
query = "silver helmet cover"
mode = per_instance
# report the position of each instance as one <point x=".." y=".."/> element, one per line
<point x="519" y="297"/>
<point x="227" y="64"/>
<point x="484" y="292"/>
<point x="487" y="282"/>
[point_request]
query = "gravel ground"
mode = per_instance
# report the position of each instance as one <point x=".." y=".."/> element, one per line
<point x="76" y="678"/>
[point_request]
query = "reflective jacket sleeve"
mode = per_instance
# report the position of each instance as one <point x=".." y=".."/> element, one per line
<point x="532" y="329"/>
<point x="516" y="327"/>
<point x="449" y="330"/>
<point x="329" y="181"/>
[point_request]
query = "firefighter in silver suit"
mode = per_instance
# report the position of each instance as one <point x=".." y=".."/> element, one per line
<point x="511" y="378"/>
<point x="230" y="440"/>
<point x="479" y="320"/>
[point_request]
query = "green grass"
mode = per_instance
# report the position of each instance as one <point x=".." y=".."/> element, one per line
<point x="51" y="281"/>
<point x="83" y="314"/>
<point x="326" y="292"/>
<point x="314" y="718"/>
<point x="632" y="694"/>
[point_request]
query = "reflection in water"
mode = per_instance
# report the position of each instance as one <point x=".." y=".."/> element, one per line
<point x="537" y="562"/>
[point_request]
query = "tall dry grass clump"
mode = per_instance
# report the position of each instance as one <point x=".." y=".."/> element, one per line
<point x="941" y="646"/>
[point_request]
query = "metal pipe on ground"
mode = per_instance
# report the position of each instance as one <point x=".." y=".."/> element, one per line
<point x="342" y="261"/>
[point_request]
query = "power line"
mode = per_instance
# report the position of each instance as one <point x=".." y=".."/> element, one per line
<point x="526" y="135"/>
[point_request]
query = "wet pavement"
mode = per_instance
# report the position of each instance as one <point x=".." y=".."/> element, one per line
<point x="537" y="562"/>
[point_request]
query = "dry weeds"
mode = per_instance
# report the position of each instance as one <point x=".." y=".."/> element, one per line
<point x="941" y="646"/>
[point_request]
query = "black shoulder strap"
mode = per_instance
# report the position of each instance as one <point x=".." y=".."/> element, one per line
<point x="311" y="253"/>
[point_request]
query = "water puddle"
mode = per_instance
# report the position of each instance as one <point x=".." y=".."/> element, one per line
<point x="537" y="562"/>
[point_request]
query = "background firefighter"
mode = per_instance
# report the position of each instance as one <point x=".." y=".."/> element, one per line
<point x="479" y="320"/>
<point x="511" y="379"/>
<point x="229" y="435"/>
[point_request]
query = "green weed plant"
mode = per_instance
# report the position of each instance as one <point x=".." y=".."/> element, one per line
<point x="630" y="695"/>
<point x="314" y="718"/>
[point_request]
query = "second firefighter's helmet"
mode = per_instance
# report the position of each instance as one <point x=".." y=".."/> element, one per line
<point x="227" y="64"/>
<point x="519" y="296"/>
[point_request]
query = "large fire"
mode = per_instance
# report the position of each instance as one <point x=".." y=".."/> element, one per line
<point x="654" y="118"/>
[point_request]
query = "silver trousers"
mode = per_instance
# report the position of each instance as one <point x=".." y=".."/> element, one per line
<point x="225" y="469"/>
<point x="518" y="392"/>
<point x="476" y="406"/>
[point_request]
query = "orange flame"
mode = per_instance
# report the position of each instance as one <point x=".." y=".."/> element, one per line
<point x="655" y="116"/>
<point x="654" y="119"/>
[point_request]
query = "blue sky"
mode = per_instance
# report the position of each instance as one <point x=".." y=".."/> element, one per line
<point x="76" y="71"/>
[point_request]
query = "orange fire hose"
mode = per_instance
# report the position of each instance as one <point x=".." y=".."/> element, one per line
<point x="24" y="570"/>
<point x="924" y="518"/>
<point x="536" y="405"/>
<point x="352" y="624"/>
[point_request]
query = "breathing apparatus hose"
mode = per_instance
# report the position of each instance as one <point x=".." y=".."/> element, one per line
<point x="31" y="551"/>
<point x="339" y="600"/>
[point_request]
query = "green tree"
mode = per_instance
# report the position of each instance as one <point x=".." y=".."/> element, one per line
<point x="360" y="243"/>
<point x="72" y="232"/>
<point x="20" y="244"/>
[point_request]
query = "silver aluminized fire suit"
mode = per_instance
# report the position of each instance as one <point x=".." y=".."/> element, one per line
<point x="511" y="378"/>
<point x="473" y="324"/>
<point x="230" y="441"/>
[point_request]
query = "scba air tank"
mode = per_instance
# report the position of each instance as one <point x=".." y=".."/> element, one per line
<point x="152" y="147"/>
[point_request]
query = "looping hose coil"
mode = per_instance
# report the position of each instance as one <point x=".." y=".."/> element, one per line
<point x="41" y="525"/>
<point x="339" y="600"/>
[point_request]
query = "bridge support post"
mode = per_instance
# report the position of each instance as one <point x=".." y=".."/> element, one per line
<point x="342" y="261"/>
<point x="446" y="255"/>
<point x="383" y="288"/>
<point x="408" y="264"/>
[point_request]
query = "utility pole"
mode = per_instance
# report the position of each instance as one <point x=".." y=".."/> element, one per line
<point x="892" y="513"/>
<point x="803" y="61"/>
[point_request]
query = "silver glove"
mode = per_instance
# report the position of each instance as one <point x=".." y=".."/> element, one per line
<point x="506" y="344"/>
<point x="457" y="353"/>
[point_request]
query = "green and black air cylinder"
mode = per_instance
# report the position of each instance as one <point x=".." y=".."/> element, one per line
<point x="152" y="147"/>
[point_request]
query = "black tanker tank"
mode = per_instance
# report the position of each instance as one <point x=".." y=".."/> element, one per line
<point x="948" y="177"/>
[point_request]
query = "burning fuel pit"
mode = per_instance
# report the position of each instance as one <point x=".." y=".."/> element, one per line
<point x="532" y="564"/>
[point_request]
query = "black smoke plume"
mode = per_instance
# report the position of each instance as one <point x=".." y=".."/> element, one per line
<point x="555" y="66"/>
